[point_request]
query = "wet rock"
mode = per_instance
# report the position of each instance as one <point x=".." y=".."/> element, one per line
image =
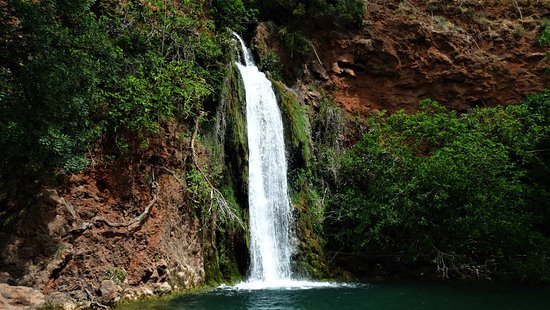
<point x="20" y="297"/>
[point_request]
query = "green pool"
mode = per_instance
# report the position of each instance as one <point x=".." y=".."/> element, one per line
<point x="401" y="295"/>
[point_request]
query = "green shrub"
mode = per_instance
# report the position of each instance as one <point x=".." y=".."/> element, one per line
<point x="116" y="274"/>
<point x="437" y="184"/>
<point x="52" y="66"/>
<point x="271" y="63"/>
<point x="233" y="14"/>
<point x="544" y="39"/>
<point x="346" y="13"/>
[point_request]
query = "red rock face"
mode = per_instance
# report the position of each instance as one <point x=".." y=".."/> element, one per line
<point x="460" y="53"/>
<point x="60" y="246"/>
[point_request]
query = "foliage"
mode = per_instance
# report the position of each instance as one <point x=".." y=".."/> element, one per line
<point x="544" y="39"/>
<point x="233" y="14"/>
<point x="199" y="190"/>
<point x="170" y="64"/>
<point x="271" y="64"/>
<point x="436" y="185"/>
<point x="295" y="42"/>
<point x="328" y="129"/>
<point x="346" y="13"/>
<point x="116" y="274"/>
<point x="296" y="125"/>
<point x="75" y="71"/>
<point x="53" y="62"/>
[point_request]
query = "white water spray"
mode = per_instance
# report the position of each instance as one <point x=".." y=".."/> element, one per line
<point x="270" y="211"/>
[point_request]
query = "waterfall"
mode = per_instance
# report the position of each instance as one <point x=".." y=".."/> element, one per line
<point x="270" y="211"/>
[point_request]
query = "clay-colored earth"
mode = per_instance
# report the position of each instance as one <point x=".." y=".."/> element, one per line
<point x="462" y="53"/>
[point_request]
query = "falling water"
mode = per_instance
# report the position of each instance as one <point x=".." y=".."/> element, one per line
<point x="270" y="212"/>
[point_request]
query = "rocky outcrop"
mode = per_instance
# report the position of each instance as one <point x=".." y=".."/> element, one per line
<point x="20" y="297"/>
<point x="460" y="53"/>
<point x="68" y="243"/>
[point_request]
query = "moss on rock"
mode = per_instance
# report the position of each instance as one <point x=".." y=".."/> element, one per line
<point x="226" y="248"/>
<point x="296" y="125"/>
<point x="308" y="212"/>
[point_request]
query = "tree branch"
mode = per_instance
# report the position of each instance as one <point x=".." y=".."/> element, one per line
<point x="138" y="219"/>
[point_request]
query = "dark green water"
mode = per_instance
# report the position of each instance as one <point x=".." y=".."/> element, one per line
<point x="368" y="296"/>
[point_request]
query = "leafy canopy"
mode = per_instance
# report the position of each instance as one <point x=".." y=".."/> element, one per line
<point x="469" y="186"/>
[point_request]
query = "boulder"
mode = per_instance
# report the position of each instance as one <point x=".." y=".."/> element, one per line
<point x="20" y="297"/>
<point x="110" y="292"/>
<point x="162" y="288"/>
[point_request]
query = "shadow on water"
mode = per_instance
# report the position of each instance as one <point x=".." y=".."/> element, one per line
<point x="407" y="295"/>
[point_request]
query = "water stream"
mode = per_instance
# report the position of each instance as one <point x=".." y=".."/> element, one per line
<point x="270" y="211"/>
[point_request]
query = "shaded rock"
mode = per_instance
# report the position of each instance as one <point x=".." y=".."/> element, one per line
<point x="438" y="56"/>
<point x="6" y="278"/>
<point x="349" y="72"/>
<point x="319" y="71"/>
<point x="312" y="98"/>
<point x="110" y="291"/>
<point x="346" y="59"/>
<point x="367" y="44"/>
<point x="260" y="39"/>
<point x="336" y="68"/>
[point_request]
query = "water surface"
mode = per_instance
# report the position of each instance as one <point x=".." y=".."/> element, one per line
<point x="409" y="295"/>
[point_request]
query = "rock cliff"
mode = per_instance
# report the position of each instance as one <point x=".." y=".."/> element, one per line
<point x="460" y="53"/>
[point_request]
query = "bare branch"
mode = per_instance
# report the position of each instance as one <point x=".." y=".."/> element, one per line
<point x="136" y="220"/>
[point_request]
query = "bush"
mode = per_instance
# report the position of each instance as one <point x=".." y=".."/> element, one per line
<point x="346" y="13"/>
<point x="463" y="188"/>
<point x="544" y="39"/>
<point x="233" y="14"/>
<point x="76" y="72"/>
<point x="69" y="76"/>
<point x="52" y="66"/>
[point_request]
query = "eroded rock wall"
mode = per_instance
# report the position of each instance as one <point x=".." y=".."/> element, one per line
<point x="460" y="53"/>
<point x="61" y="243"/>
